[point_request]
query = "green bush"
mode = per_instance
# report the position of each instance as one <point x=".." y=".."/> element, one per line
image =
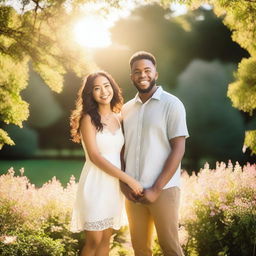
<point x="10" y="217"/>
<point x="220" y="219"/>
<point x="28" y="243"/>
<point x="55" y="228"/>
<point x="217" y="216"/>
<point x="119" y="245"/>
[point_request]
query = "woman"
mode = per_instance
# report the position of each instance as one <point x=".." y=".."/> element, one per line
<point x="99" y="204"/>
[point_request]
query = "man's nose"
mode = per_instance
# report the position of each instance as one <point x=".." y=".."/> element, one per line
<point x="142" y="74"/>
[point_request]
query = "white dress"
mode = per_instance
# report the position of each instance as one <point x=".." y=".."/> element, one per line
<point x="99" y="201"/>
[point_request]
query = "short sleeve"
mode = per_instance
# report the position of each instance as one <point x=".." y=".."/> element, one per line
<point x="177" y="125"/>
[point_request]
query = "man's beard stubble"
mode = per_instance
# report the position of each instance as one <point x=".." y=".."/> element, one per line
<point x="151" y="85"/>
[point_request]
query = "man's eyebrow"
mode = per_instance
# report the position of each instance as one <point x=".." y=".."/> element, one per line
<point x="143" y="68"/>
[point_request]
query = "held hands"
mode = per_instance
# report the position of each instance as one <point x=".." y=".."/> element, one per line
<point x="128" y="192"/>
<point x="150" y="195"/>
<point x="135" y="186"/>
<point x="147" y="196"/>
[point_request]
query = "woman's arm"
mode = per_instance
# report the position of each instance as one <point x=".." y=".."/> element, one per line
<point x="88" y="131"/>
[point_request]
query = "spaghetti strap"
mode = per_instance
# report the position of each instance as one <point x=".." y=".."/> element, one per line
<point x="116" y="116"/>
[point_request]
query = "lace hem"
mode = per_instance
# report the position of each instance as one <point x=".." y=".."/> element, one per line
<point x="99" y="225"/>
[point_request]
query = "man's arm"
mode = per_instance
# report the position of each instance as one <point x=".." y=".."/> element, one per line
<point x="170" y="167"/>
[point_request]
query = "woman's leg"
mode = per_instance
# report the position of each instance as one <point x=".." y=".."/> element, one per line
<point x="93" y="240"/>
<point x="103" y="248"/>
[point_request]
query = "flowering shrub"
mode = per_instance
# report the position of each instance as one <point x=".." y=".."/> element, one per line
<point x="34" y="221"/>
<point x="29" y="242"/>
<point x="218" y="211"/>
<point x="217" y="215"/>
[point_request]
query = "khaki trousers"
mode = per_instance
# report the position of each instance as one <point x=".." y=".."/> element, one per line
<point x="163" y="213"/>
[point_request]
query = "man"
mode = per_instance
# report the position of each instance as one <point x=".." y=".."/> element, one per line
<point x="155" y="131"/>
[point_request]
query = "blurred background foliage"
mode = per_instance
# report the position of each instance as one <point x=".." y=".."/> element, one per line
<point x="198" y="61"/>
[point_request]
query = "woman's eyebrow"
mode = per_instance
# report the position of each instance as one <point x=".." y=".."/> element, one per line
<point x="99" y="84"/>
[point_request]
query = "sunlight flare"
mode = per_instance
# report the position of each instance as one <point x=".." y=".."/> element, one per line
<point x="93" y="32"/>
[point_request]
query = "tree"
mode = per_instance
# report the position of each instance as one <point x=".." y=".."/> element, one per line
<point x="239" y="17"/>
<point x="39" y="35"/>
<point x="153" y="29"/>
<point x="216" y="127"/>
<point x="35" y="35"/>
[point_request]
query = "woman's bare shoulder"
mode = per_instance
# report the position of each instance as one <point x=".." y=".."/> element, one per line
<point x="86" y="121"/>
<point x="86" y="118"/>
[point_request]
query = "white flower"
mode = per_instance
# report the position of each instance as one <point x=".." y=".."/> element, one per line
<point x="8" y="239"/>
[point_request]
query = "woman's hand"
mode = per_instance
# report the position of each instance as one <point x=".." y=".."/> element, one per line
<point x="135" y="186"/>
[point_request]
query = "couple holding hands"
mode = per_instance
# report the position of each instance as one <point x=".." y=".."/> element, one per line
<point x="133" y="154"/>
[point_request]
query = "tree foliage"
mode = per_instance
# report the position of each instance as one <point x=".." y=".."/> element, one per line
<point x="216" y="127"/>
<point x="35" y="34"/>
<point x="239" y="16"/>
<point x="175" y="41"/>
<point x="41" y="34"/>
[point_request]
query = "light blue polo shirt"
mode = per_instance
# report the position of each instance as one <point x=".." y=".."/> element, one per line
<point x="148" y="128"/>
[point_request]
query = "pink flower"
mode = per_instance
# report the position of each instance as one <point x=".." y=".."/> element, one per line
<point x="8" y="239"/>
<point x="183" y="235"/>
<point x="212" y="213"/>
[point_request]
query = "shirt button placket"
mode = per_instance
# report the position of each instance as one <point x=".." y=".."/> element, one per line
<point x="140" y="121"/>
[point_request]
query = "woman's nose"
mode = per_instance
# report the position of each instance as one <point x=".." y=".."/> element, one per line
<point x="103" y="90"/>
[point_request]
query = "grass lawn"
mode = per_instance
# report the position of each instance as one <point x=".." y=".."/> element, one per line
<point x="40" y="171"/>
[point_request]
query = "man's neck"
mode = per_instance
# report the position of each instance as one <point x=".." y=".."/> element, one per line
<point x="145" y="96"/>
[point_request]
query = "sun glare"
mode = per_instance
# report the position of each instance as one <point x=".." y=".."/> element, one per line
<point x="178" y="9"/>
<point x="93" y="32"/>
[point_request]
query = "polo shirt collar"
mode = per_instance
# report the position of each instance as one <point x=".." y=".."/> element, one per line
<point x="157" y="94"/>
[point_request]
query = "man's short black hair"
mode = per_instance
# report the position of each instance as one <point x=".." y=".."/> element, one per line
<point x="142" y="55"/>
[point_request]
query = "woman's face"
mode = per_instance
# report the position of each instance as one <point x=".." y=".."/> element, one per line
<point x="102" y="90"/>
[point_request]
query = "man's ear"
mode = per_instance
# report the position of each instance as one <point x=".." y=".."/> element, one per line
<point x="156" y="75"/>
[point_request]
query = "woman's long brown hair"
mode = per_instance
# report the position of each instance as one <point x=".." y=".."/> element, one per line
<point x="85" y="104"/>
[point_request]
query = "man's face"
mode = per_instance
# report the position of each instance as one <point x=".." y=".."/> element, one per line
<point x="143" y="75"/>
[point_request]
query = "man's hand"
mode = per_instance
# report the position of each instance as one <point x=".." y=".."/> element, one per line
<point x="127" y="191"/>
<point x="150" y="195"/>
